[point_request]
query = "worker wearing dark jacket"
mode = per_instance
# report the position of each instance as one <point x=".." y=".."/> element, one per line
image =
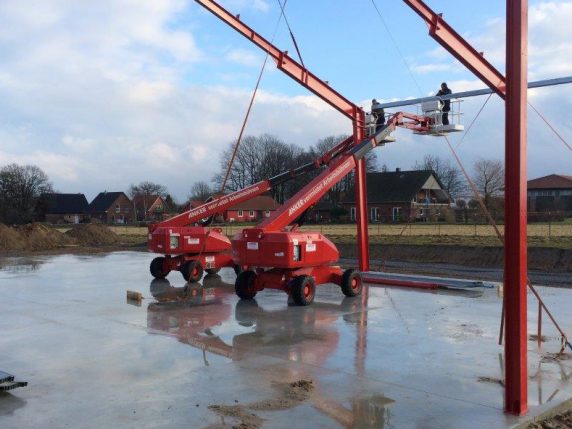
<point x="446" y="103"/>
<point x="379" y="114"/>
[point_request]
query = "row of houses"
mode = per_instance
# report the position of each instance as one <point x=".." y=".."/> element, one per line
<point x="392" y="196"/>
<point x="106" y="207"/>
<point x="118" y="208"/>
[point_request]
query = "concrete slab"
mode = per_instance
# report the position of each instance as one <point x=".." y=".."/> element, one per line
<point x="393" y="358"/>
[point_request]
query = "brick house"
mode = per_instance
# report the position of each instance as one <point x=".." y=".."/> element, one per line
<point x="150" y="207"/>
<point x="402" y="195"/>
<point x="551" y="193"/>
<point x="112" y="208"/>
<point x="252" y="210"/>
<point x="59" y="208"/>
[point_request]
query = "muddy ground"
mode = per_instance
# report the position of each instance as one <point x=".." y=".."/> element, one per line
<point x="539" y="258"/>
<point x="547" y="265"/>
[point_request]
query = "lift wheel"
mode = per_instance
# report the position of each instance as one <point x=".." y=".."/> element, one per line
<point x="352" y="283"/>
<point x="192" y="271"/>
<point x="303" y="290"/>
<point x="245" y="285"/>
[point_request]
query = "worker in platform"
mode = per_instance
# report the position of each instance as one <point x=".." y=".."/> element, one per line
<point x="446" y="103"/>
<point x="379" y="114"/>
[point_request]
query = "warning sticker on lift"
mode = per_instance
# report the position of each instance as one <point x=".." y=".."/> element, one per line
<point x="191" y="240"/>
<point x="252" y="245"/>
<point x="310" y="247"/>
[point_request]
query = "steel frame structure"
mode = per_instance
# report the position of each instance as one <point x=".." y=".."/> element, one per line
<point x="513" y="89"/>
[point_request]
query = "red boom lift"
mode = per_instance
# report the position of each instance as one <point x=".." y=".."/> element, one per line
<point x="190" y="247"/>
<point x="295" y="261"/>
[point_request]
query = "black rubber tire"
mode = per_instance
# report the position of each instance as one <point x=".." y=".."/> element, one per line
<point x="244" y="285"/>
<point x="352" y="283"/>
<point x="212" y="270"/>
<point x="156" y="268"/>
<point x="303" y="290"/>
<point x="192" y="271"/>
<point x="237" y="269"/>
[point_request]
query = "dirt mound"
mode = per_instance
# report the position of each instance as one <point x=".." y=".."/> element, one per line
<point x="560" y="421"/>
<point x="30" y="238"/>
<point x="93" y="235"/>
<point x="40" y="237"/>
<point x="10" y="238"/>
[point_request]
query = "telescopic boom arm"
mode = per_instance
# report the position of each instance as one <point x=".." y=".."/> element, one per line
<point x="222" y="203"/>
<point x="340" y="167"/>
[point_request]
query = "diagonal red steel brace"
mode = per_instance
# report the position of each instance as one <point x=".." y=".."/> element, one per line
<point x="454" y="43"/>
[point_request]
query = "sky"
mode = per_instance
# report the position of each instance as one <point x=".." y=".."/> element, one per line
<point x="104" y="94"/>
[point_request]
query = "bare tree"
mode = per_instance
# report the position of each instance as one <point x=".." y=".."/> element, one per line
<point x="259" y="158"/>
<point x="489" y="179"/>
<point x="449" y="175"/>
<point x="144" y="190"/>
<point x="20" y="189"/>
<point x="200" y="191"/>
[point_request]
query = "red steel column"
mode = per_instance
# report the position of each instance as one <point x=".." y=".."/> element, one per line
<point x="516" y="392"/>
<point x="361" y="198"/>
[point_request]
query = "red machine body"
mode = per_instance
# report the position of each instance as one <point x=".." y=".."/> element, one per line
<point x="279" y="249"/>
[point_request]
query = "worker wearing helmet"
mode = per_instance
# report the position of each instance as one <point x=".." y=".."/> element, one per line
<point x="379" y="114"/>
<point x="446" y="103"/>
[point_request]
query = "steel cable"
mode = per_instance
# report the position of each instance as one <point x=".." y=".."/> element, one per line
<point x="251" y="103"/>
<point x="501" y="238"/>
<point x="396" y="46"/>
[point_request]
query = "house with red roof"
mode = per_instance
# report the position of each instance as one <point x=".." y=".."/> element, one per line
<point x="551" y="193"/>
<point x="252" y="210"/>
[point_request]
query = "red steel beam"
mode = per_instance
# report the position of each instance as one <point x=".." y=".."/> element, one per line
<point x="459" y="47"/>
<point x="361" y="205"/>
<point x="515" y="256"/>
<point x="286" y="63"/>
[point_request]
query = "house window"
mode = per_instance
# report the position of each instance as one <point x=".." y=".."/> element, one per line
<point x="117" y="208"/>
<point x="251" y="213"/>
<point x="396" y="213"/>
<point x="353" y="213"/>
<point x="240" y="213"/>
<point x="267" y="213"/>
<point x="374" y="214"/>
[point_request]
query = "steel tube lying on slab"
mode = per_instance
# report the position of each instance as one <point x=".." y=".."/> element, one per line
<point x="449" y="283"/>
<point x="420" y="282"/>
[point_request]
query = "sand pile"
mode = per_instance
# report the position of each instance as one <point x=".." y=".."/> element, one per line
<point x="10" y="239"/>
<point x="31" y="237"/>
<point x="93" y="235"/>
<point x="40" y="237"/>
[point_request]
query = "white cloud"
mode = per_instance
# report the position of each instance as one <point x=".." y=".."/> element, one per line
<point x="245" y="57"/>
<point x="98" y="95"/>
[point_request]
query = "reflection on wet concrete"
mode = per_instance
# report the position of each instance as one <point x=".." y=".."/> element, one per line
<point x="20" y="265"/>
<point x="393" y="358"/>
<point x="308" y="337"/>
<point x="9" y="403"/>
